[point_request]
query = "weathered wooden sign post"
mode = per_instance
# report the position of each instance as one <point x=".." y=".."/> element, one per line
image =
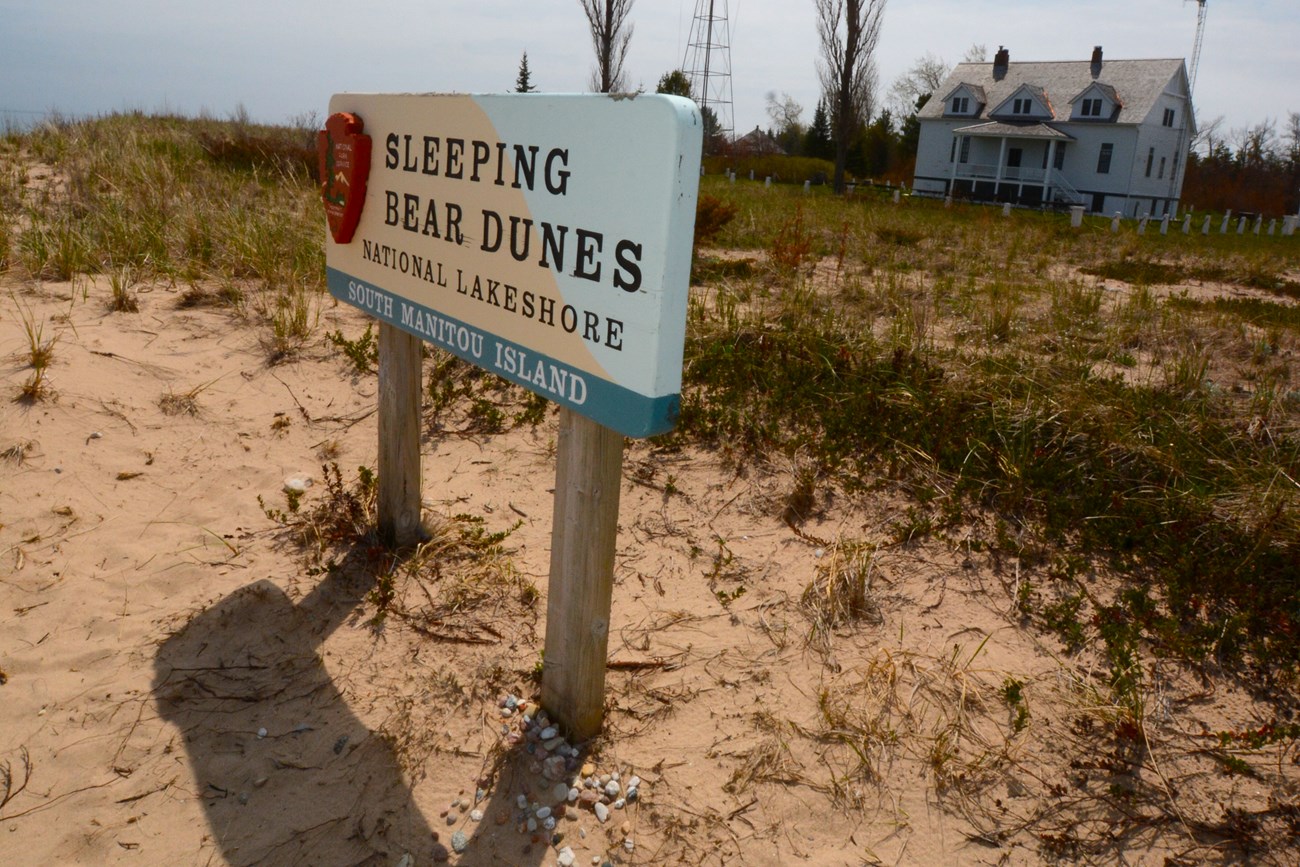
<point x="546" y="239"/>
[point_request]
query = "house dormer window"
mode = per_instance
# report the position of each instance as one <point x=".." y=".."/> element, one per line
<point x="1022" y="106"/>
<point x="1090" y="108"/>
<point x="961" y="105"/>
<point x="1169" y="117"/>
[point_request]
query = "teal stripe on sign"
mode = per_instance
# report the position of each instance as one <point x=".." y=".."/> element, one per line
<point x="607" y="403"/>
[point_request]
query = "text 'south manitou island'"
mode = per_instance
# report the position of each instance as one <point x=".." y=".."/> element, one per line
<point x="543" y="375"/>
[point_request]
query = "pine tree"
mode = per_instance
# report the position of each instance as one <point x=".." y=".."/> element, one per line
<point x="818" y="143"/>
<point x="524" y="83"/>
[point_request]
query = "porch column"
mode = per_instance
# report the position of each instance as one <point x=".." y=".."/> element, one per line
<point x="1051" y="167"/>
<point x="1002" y="159"/>
<point x="956" y="161"/>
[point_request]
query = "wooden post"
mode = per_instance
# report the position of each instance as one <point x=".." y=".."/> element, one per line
<point x="399" y="437"/>
<point x="584" y="532"/>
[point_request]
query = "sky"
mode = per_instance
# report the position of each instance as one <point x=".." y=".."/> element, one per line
<point x="280" y="60"/>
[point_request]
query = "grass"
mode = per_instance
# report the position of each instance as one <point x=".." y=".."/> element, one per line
<point x="1073" y="401"/>
<point x="38" y="355"/>
<point x="973" y="360"/>
<point x="1002" y="388"/>
<point x="147" y="198"/>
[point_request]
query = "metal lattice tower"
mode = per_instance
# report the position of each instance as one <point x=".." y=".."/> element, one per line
<point x="708" y="64"/>
<point x="1196" y="50"/>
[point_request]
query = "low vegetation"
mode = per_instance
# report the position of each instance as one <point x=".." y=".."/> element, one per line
<point x="1080" y="402"/>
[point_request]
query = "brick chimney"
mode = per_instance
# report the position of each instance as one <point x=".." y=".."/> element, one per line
<point x="1096" y="61"/>
<point x="1001" y="61"/>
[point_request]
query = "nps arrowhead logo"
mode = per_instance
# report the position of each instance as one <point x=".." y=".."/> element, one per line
<point x="344" y="166"/>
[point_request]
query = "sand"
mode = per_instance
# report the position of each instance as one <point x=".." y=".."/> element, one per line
<point x="183" y="684"/>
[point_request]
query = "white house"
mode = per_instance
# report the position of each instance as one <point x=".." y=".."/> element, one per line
<point x="1111" y="135"/>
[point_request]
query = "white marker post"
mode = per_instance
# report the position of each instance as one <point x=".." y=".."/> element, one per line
<point x="546" y="239"/>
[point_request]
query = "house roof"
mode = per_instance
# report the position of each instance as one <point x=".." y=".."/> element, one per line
<point x="1106" y="90"/>
<point x="973" y="89"/>
<point x="1138" y="83"/>
<point x="1014" y="130"/>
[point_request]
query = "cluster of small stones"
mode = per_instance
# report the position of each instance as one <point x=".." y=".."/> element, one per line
<point x="565" y="784"/>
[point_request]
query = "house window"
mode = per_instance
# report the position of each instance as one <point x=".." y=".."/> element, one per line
<point x="1103" y="159"/>
<point x="1169" y="117"/>
<point x="961" y="105"/>
<point x="1058" y="162"/>
<point x="1162" y="168"/>
<point x="1151" y="158"/>
<point x="1091" y="108"/>
<point x="1022" y="106"/>
<point x="965" y="149"/>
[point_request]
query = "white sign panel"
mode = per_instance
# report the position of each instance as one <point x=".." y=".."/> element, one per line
<point x="543" y="238"/>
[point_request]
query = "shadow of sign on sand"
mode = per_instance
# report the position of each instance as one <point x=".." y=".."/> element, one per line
<point x="286" y="772"/>
<point x="322" y="789"/>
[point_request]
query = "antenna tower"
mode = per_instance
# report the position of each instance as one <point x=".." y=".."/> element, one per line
<point x="708" y="65"/>
<point x="1196" y="51"/>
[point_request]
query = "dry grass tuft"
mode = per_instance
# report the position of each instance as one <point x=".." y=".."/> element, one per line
<point x="841" y="593"/>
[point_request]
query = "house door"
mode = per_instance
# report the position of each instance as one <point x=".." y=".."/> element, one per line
<point x="1098" y="203"/>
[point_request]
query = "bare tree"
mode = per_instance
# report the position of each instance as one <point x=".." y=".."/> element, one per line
<point x="923" y="79"/>
<point x="784" y="111"/>
<point x="1256" y="145"/>
<point x="977" y="53"/>
<point x="848" y="31"/>
<point x="610" y="34"/>
<point x="1208" y="134"/>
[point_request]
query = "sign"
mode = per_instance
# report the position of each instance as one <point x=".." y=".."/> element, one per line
<point x="344" y="167"/>
<point x="546" y="239"/>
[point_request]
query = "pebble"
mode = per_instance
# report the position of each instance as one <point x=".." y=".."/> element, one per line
<point x="476" y="815"/>
<point x="406" y="860"/>
<point x="589" y="798"/>
<point x="297" y="483"/>
<point x="261" y="733"/>
<point x="560" y="792"/>
<point x="588" y="769"/>
<point x="451" y="819"/>
<point x="632" y="794"/>
<point x="521" y="802"/>
<point x="634" y="782"/>
<point x="459" y="842"/>
<point x="549" y="823"/>
<point x="611" y="788"/>
<point x="543" y="812"/>
<point x="547" y="733"/>
<point x="94" y="435"/>
<point x="566" y="857"/>
<point x="619" y="804"/>
<point x="573" y="795"/>
<point x="628" y="844"/>
<point x="602" y="812"/>
<point x="531" y="825"/>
